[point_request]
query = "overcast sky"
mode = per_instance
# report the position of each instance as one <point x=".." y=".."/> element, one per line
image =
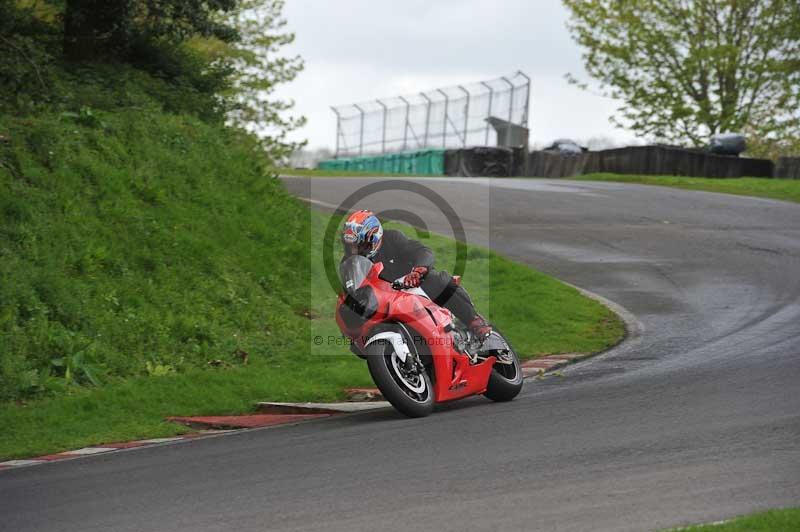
<point x="359" y="50"/>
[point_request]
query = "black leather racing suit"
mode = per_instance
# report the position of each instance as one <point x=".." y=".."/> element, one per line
<point x="399" y="255"/>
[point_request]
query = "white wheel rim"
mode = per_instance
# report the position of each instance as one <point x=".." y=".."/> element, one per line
<point x="416" y="388"/>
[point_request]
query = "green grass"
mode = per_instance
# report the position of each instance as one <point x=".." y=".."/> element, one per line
<point x="539" y="314"/>
<point x="787" y="520"/>
<point x="781" y="189"/>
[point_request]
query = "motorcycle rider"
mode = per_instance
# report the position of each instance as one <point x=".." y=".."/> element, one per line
<point x="363" y="235"/>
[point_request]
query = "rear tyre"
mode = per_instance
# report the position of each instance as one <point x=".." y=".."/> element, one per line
<point x="505" y="382"/>
<point x="410" y="392"/>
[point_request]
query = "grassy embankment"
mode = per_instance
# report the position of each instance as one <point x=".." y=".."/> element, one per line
<point x="151" y="267"/>
<point x="781" y="189"/>
<point x="786" y="520"/>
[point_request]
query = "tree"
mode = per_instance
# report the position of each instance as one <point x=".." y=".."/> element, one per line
<point x="259" y="69"/>
<point x="222" y="56"/>
<point x="106" y="29"/>
<point x="686" y="69"/>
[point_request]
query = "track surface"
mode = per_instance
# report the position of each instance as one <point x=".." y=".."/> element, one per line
<point x="697" y="420"/>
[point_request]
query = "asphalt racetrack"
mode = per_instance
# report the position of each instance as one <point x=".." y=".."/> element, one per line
<point x="698" y="419"/>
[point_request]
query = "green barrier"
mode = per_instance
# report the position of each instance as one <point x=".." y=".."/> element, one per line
<point x="416" y="163"/>
<point x="405" y="163"/>
<point x="423" y="162"/>
<point x="437" y="162"/>
<point x="387" y="164"/>
<point x="430" y="162"/>
<point x="391" y="163"/>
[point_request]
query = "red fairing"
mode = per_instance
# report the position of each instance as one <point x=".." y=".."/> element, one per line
<point x="454" y="376"/>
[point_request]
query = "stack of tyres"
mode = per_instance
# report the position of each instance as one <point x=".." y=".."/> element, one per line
<point x="423" y="163"/>
<point x="406" y="163"/>
<point x="429" y="162"/>
<point x="391" y="165"/>
<point x="386" y="164"/>
<point x="437" y="162"/>
<point x="414" y="164"/>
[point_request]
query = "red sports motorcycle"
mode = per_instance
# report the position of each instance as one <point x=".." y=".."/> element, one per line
<point x="417" y="352"/>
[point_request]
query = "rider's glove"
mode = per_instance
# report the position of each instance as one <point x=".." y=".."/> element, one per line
<point x="413" y="279"/>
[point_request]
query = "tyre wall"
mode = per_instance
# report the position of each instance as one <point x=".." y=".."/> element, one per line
<point x="505" y="162"/>
<point x="788" y="168"/>
<point x="647" y="160"/>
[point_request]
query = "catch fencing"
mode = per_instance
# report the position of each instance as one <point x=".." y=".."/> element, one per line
<point x="452" y="117"/>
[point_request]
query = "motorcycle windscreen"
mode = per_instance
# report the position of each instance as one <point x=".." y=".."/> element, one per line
<point x="353" y="272"/>
<point x="360" y="303"/>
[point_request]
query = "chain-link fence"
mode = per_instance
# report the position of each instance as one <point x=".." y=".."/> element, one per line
<point x="452" y="117"/>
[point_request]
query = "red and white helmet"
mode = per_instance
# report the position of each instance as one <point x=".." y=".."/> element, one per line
<point x="362" y="234"/>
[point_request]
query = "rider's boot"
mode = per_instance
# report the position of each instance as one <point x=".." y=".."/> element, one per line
<point x="480" y="327"/>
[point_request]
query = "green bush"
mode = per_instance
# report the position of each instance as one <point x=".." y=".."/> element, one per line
<point x="164" y="73"/>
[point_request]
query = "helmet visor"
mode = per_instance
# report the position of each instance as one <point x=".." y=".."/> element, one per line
<point x="362" y="248"/>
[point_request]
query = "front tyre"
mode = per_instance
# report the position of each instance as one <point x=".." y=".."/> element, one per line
<point x="408" y="390"/>
<point x="505" y="381"/>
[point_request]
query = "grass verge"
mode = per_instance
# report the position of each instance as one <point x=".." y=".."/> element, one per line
<point x="786" y="520"/>
<point x="540" y="315"/>
<point x="781" y="189"/>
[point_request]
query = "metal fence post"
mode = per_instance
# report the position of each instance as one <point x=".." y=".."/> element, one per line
<point x="361" y="131"/>
<point x="444" y="122"/>
<point x="527" y="97"/>
<point x="489" y="112"/>
<point x="466" y="117"/>
<point x="405" y="126"/>
<point x="427" y="120"/>
<point x="383" y="132"/>
<point x="338" y="131"/>
<point x="510" y="110"/>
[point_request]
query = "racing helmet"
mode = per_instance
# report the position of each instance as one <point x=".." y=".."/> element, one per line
<point x="362" y="234"/>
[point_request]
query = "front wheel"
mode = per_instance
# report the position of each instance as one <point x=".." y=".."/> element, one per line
<point x="407" y="389"/>
<point x="505" y="382"/>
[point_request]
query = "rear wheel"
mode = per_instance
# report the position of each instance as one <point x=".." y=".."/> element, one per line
<point x="407" y="386"/>
<point x="505" y="382"/>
